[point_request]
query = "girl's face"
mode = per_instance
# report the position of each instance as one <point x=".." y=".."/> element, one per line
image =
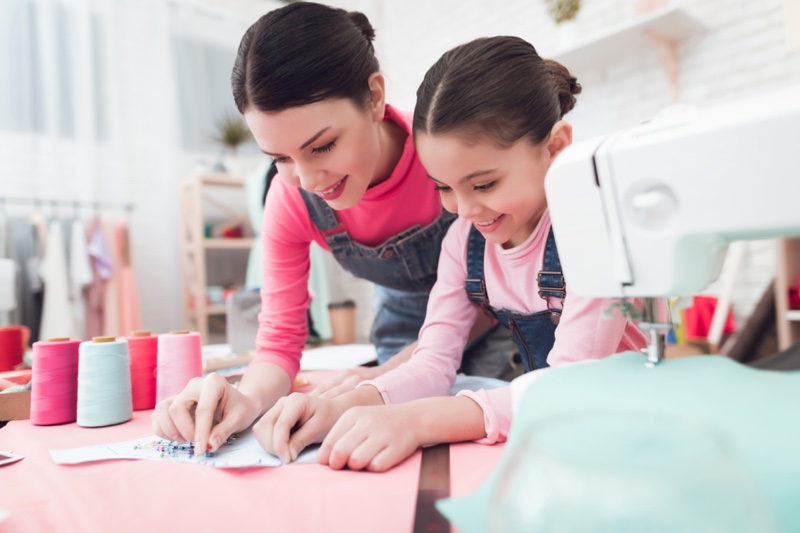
<point x="330" y="148"/>
<point x="499" y="190"/>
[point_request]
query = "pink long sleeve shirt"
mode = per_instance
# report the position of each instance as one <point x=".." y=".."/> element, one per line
<point x="582" y="334"/>
<point x="407" y="198"/>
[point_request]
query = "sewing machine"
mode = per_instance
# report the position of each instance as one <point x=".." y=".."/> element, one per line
<point x="649" y="211"/>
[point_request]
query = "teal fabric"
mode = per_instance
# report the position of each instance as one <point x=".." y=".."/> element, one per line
<point x="758" y="411"/>
<point x="318" y="279"/>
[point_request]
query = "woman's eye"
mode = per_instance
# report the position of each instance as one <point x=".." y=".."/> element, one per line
<point x="322" y="149"/>
<point x="442" y="188"/>
<point x="281" y="159"/>
<point x="485" y="186"/>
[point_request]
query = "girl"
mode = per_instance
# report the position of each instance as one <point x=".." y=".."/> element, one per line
<point x="487" y="126"/>
<point x="309" y="86"/>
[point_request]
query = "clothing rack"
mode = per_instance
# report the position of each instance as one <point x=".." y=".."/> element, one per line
<point x="55" y="202"/>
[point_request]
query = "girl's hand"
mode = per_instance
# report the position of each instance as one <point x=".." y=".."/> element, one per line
<point x="373" y="438"/>
<point x="206" y="412"/>
<point x="346" y="381"/>
<point x="294" y="422"/>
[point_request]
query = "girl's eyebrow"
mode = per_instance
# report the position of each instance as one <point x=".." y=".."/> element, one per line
<point x="305" y="144"/>
<point x="472" y="175"/>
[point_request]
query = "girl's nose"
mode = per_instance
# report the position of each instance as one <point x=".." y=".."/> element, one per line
<point x="467" y="209"/>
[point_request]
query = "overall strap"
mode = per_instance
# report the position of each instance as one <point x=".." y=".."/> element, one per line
<point x="550" y="278"/>
<point x="476" y="284"/>
<point x="321" y="213"/>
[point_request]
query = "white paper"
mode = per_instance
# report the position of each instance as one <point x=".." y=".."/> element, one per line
<point x="245" y="451"/>
<point x="338" y="357"/>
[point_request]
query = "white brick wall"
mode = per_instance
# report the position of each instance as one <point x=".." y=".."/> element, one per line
<point x="742" y="53"/>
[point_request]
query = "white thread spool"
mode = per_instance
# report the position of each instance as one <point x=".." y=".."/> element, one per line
<point x="104" y="383"/>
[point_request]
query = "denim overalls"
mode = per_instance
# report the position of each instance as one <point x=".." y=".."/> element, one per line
<point x="403" y="269"/>
<point x="534" y="334"/>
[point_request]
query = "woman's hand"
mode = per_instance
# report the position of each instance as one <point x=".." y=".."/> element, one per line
<point x="374" y="438"/>
<point x="206" y="412"/>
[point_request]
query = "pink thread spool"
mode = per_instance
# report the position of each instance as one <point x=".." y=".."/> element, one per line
<point x="143" y="351"/>
<point x="54" y="382"/>
<point x="179" y="360"/>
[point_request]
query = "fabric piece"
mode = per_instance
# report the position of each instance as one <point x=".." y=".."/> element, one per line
<point x="8" y="291"/>
<point x="288" y="231"/>
<point x="80" y="275"/>
<point x="28" y="255"/>
<point x="8" y="310"/>
<point x="760" y="425"/>
<point x="140" y="496"/>
<point x="57" y="313"/>
<point x="583" y="332"/>
<point x="111" y="295"/>
<point x="128" y="300"/>
<point x="100" y="264"/>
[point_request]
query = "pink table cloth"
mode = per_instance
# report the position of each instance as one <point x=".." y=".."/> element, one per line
<point x="140" y="496"/>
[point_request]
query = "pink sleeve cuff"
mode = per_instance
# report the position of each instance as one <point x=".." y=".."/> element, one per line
<point x="490" y="421"/>
<point x="381" y="390"/>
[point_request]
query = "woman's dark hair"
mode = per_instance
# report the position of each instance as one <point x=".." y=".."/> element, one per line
<point x="495" y="89"/>
<point x="303" y="53"/>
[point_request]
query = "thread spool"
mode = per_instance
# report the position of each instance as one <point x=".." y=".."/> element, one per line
<point x="143" y="352"/>
<point x="104" y="383"/>
<point x="12" y="346"/>
<point x="54" y="381"/>
<point x="179" y="360"/>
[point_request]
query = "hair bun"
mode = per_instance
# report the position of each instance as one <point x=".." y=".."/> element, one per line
<point x="362" y="23"/>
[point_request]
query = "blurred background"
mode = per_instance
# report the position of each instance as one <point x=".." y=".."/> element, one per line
<point x="112" y="105"/>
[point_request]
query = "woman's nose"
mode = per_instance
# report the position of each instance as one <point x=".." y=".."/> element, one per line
<point x="310" y="177"/>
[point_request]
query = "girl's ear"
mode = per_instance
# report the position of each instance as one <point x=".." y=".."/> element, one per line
<point x="560" y="137"/>
<point x="377" y="94"/>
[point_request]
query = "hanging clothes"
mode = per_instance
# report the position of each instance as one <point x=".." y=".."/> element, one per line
<point x="100" y="264"/>
<point x="8" y="276"/>
<point x="27" y="250"/>
<point x="111" y="295"/>
<point x="57" y="315"/>
<point x="128" y="301"/>
<point x="80" y="276"/>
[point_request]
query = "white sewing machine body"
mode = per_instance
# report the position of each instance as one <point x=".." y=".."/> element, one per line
<point x="649" y="211"/>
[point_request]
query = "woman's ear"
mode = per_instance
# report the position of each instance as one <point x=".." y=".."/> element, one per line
<point x="560" y="137"/>
<point x="377" y="94"/>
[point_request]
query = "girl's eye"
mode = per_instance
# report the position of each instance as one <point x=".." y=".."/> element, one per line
<point x="323" y="149"/>
<point x="281" y="159"/>
<point x="485" y="187"/>
<point x="442" y="188"/>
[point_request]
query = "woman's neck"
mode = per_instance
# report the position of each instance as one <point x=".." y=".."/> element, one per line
<point x="392" y="140"/>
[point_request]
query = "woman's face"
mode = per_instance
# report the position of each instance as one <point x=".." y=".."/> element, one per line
<point x="329" y="148"/>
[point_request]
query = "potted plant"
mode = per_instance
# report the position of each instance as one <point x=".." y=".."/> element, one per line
<point x="563" y="10"/>
<point x="232" y="132"/>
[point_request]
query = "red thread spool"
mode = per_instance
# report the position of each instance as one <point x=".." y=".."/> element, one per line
<point x="143" y="351"/>
<point x="13" y="340"/>
<point x="54" y="382"/>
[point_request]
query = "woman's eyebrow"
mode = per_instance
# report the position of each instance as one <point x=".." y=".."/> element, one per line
<point x="305" y="144"/>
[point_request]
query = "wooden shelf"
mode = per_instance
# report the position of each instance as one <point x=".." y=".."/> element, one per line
<point x="793" y="315"/>
<point x="228" y="244"/>
<point x="661" y="28"/>
<point x="787" y="270"/>
<point x="195" y="198"/>
<point x="218" y="309"/>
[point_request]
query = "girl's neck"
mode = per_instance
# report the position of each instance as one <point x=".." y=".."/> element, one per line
<point x="392" y="140"/>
